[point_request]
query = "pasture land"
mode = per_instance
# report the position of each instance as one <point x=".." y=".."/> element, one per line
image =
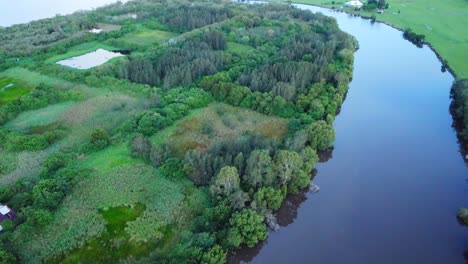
<point x="147" y="37"/>
<point x="12" y="89"/>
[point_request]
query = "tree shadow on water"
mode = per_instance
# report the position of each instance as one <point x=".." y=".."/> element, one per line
<point x="458" y="124"/>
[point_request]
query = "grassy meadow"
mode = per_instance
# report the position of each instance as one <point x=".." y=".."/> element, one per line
<point x="239" y="48"/>
<point x="146" y="37"/>
<point x="444" y="23"/>
<point x="12" y="89"/>
<point x="42" y="117"/>
<point x="218" y="121"/>
<point x="102" y="224"/>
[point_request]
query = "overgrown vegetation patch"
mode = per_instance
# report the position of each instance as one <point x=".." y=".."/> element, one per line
<point x="176" y="153"/>
<point x="31" y="121"/>
<point x="221" y="121"/>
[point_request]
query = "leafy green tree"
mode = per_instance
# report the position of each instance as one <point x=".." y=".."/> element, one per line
<point x="238" y="199"/>
<point x="216" y="255"/>
<point x="39" y="217"/>
<point x="269" y="198"/>
<point x="55" y="162"/>
<point x="259" y="170"/>
<point x="227" y="182"/>
<point x="300" y="180"/>
<point x="287" y="164"/>
<point x="247" y="227"/>
<point x="214" y="218"/>
<point x="100" y="139"/>
<point x="8" y="226"/>
<point x="239" y="163"/>
<point x="310" y="158"/>
<point x="320" y="135"/>
<point x="6" y="257"/>
<point x="48" y="194"/>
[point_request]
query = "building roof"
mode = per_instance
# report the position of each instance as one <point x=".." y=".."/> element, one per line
<point x="4" y="210"/>
<point x="354" y="3"/>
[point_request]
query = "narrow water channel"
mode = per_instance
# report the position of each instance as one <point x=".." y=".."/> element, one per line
<point x="393" y="184"/>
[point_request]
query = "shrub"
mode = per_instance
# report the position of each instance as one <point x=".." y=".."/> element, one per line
<point x="216" y="255"/>
<point x="100" y="139"/>
<point x="246" y="227"/>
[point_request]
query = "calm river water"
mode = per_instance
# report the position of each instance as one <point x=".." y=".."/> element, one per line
<point x="395" y="181"/>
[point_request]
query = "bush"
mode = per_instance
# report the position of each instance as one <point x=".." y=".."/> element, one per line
<point x="55" y="162"/>
<point x="269" y="198"/>
<point x="417" y="39"/>
<point x="216" y="255"/>
<point x="320" y="135"/>
<point x="246" y="227"/>
<point x="6" y="257"/>
<point x="100" y="139"/>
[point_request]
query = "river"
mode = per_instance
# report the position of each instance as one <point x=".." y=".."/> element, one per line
<point x="24" y="11"/>
<point x="392" y="186"/>
<point x="396" y="179"/>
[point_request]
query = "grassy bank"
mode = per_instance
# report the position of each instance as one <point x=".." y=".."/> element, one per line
<point x="442" y="22"/>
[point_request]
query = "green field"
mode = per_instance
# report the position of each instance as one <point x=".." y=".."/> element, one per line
<point x="239" y="48"/>
<point x="148" y="37"/>
<point x="96" y="214"/>
<point x="444" y="23"/>
<point x="116" y="219"/>
<point x="41" y="117"/>
<point x="9" y="93"/>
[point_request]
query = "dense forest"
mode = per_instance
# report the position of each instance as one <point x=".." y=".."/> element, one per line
<point x="179" y="152"/>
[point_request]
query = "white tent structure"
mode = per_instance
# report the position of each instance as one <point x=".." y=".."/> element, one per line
<point x="354" y="3"/>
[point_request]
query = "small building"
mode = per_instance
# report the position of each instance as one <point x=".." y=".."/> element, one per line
<point x="354" y="3"/>
<point x="6" y="214"/>
<point x="95" y="30"/>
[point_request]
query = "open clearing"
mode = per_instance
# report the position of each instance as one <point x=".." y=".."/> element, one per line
<point x="239" y="48"/>
<point x="12" y="89"/>
<point x="148" y="37"/>
<point x="216" y="122"/>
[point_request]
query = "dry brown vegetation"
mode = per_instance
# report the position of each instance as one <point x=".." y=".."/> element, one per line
<point x="221" y="121"/>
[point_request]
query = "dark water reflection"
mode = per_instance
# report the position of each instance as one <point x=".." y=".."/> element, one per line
<point x="392" y="186"/>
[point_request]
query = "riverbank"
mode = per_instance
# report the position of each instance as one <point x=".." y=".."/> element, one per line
<point x="395" y="157"/>
<point x="441" y="23"/>
<point x="459" y="109"/>
<point x="454" y="62"/>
